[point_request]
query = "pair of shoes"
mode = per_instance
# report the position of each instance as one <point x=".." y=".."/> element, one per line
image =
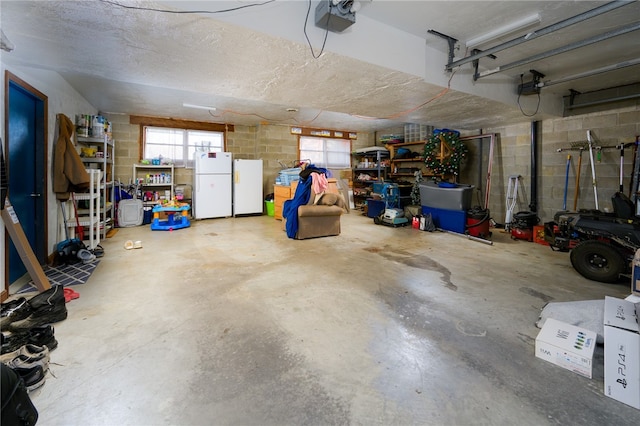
<point x="70" y="294"/>
<point x="128" y="245"/>
<point x="28" y="350"/>
<point x="23" y="361"/>
<point x="39" y="336"/>
<point x="98" y="251"/>
<point x="46" y="308"/>
<point x="14" y="310"/>
<point x="33" y="377"/>
<point x="86" y="256"/>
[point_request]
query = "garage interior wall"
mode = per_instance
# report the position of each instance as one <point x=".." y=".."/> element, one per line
<point x="273" y="142"/>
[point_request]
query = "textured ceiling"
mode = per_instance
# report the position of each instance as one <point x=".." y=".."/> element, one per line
<point x="254" y="63"/>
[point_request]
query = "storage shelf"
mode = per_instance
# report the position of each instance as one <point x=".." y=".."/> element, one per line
<point x="153" y="166"/>
<point x="96" y="160"/>
<point x="407" y="143"/>
<point x="101" y="140"/>
<point x="409" y="160"/>
<point x="140" y="173"/>
<point x="369" y="169"/>
<point x="106" y="165"/>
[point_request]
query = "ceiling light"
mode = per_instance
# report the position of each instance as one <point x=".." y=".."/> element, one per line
<point x="209" y="108"/>
<point x="512" y="27"/>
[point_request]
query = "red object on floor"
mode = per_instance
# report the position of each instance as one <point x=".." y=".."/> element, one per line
<point x="70" y="294"/>
<point x="522" y="234"/>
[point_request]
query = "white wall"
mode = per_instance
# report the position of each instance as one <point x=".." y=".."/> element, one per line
<point x="62" y="98"/>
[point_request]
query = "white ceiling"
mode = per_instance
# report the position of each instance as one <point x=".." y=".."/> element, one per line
<point x="254" y="63"/>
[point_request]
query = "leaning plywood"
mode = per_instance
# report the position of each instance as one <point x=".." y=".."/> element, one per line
<point x="12" y="224"/>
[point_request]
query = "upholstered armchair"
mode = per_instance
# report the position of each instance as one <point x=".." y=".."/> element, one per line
<point x="320" y="217"/>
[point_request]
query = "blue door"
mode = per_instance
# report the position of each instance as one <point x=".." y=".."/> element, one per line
<point x="26" y="167"/>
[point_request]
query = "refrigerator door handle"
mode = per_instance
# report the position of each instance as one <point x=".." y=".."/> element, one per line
<point x="236" y="178"/>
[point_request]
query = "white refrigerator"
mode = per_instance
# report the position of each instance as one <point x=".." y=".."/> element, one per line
<point x="247" y="187"/>
<point x="212" y="185"/>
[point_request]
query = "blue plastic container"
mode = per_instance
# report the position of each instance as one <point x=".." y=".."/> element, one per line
<point x="449" y="220"/>
<point x="374" y="207"/>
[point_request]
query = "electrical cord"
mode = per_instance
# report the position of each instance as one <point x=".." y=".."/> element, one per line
<point x="408" y="111"/>
<point x="520" y="94"/>
<point x="178" y="12"/>
<point x="306" y="19"/>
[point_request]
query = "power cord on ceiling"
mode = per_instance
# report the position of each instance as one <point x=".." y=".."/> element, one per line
<point x="408" y="111"/>
<point x="520" y="94"/>
<point x="186" y="11"/>
<point x="306" y="19"/>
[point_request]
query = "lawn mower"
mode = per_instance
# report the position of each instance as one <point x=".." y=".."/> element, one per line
<point x="601" y="245"/>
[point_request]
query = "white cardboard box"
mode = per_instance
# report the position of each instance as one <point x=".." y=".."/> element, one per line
<point x="622" y="351"/>
<point x="567" y="346"/>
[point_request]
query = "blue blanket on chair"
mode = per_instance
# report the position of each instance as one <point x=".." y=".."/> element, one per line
<point x="290" y="207"/>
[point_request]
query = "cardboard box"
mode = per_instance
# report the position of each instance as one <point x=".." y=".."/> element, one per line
<point x="622" y="351"/>
<point x="566" y="346"/>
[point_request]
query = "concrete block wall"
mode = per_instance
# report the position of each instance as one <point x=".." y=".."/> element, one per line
<point x="513" y="157"/>
<point x="271" y="143"/>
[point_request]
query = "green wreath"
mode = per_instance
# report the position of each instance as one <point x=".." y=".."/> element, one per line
<point x="455" y="151"/>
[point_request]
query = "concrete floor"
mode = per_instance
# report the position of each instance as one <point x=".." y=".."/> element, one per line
<point x="230" y="322"/>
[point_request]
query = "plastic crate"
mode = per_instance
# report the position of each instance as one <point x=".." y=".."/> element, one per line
<point x="289" y="175"/>
<point x="449" y="220"/>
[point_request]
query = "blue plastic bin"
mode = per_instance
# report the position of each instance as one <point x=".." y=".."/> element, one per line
<point x="449" y="220"/>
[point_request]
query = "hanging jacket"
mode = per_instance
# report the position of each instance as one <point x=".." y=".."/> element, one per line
<point x="69" y="173"/>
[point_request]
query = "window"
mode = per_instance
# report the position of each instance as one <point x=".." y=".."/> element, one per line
<point x="180" y="145"/>
<point x="328" y="153"/>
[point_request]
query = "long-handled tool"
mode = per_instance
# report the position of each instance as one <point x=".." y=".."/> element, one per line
<point x="566" y="183"/>
<point x="593" y="169"/>
<point x="577" y="190"/>
<point x="512" y="199"/>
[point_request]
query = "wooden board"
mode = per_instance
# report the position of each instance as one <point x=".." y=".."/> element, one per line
<point x="12" y="224"/>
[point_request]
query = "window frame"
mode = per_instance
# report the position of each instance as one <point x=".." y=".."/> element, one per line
<point x="187" y="161"/>
<point x="176" y="123"/>
<point x="325" y="152"/>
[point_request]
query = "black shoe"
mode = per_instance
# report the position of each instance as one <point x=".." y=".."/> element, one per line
<point x="15" y="310"/>
<point x="39" y="336"/>
<point x="33" y="377"/>
<point x="43" y="336"/>
<point x="13" y="341"/>
<point x="47" y="307"/>
<point x="49" y="297"/>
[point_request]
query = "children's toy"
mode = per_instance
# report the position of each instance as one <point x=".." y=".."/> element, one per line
<point x="182" y="221"/>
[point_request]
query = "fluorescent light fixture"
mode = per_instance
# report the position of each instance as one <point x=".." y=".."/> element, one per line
<point x="209" y="108"/>
<point x="512" y="27"/>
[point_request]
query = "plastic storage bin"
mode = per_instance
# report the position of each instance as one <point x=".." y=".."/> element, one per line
<point x="270" y="207"/>
<point x="287" y="176"/>
<point x="449" y="220"/>
<point x="457" y="197"/>
<point x="374" y="207"/>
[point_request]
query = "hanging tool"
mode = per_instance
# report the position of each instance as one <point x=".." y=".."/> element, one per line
<point x="621" y="146"/>
<point x="635" y="171"/>
<point x="593" y="169"/>
<point x="566" y="183"/>
<point x="577" y="190"/>
<point x="512" y="199"/>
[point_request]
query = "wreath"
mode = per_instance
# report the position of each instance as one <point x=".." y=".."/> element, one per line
<point x="444" y="151"/>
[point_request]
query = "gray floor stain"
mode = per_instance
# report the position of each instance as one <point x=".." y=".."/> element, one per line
<point x="417" y="261"/>
<point x="536" y="293"/>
